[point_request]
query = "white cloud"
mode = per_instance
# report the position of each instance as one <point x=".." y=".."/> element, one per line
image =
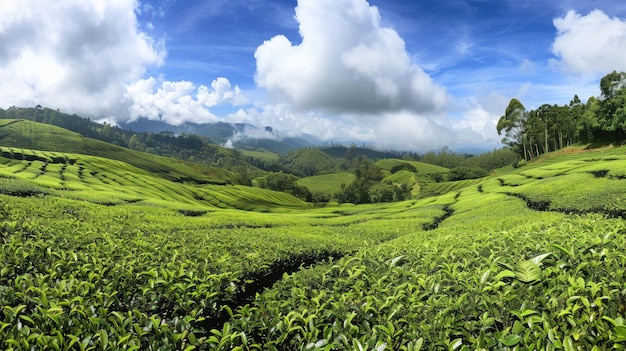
<point x="75" y="55"/>
<point x="179" y="102"/>
<point x="347" y="62"/>
<point x="590" y="44"/>
<point x="477" y="127"/>
<point x="405" y="130"/>
<point x="292" y="123"/>
<point x="350" y="79"/>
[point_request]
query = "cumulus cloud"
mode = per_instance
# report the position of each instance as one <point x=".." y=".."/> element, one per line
<point x="179" y="102"/>
<point x="347" y="62"/>
<point x="590" y="44"/>
<point x="75" y="55"/>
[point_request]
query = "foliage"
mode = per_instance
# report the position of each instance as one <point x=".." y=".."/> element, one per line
<point x="19" y="187"/>
<point x="553" y="127"/>
<point x="356" y="192"/>
<point x="492" y="159"/>
<point x="462" y="173"/>
<point x="513" y="124"/>
<point x="309" y="162"/>
<point x="286" y="183"/>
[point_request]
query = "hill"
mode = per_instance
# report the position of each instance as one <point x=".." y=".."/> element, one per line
<point x="340" y="151"/>
<point x="423" y="170"/>
<point x="24" y="134"/>
<point x="240" y="135"/>
<point x="182" y="146"/>
<point x="328" y="184"/>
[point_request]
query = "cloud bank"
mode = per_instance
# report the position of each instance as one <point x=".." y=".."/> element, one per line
<point x="590" y="44"/>
<point x="349" y="77"/>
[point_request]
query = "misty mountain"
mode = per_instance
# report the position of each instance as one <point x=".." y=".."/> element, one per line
<point x="236" y="135"/>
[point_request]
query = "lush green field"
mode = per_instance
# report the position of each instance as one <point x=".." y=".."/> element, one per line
<point x="327" y="183"/>
<point x="100" y="254"/>
<point x="23" y="134"/>
<point x="445" y="187"/>
<point x="112" y="182"/>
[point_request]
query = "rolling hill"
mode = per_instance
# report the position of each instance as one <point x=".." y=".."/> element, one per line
<point x="26" y="134"/>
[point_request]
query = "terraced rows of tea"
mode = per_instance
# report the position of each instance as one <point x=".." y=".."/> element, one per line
<point x="98" y="254"/>
<point x="111" y="182"/>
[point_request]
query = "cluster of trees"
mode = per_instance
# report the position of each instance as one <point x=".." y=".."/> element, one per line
<point x="449" y="159"/>
<point x="287" y="183"/>
<point x="367" y="187"/>
<point x="552" y="127"/>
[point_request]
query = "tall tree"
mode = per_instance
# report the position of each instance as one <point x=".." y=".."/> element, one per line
<point x="588" y="124"/>
<point x="513" y="124"/>
<point x="612" y="111"/>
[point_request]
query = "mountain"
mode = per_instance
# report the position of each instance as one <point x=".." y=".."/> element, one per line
<point x="237" y="135"/>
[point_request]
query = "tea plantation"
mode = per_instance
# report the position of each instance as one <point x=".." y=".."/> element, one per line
<point x="100" y="254"/>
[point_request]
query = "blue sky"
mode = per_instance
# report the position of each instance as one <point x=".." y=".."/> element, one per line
<point x="404" y="74"/>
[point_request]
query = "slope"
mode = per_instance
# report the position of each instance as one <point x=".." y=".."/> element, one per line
<point x="37" y="136"/>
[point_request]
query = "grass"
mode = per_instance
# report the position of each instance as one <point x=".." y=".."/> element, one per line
<point x="327" y="183"/>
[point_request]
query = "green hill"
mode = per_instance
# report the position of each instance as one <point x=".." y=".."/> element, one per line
<point x="327" y="183"/>
<point x="114" y="182"/>
<point x="23" y="134"/>
<point x="183" y="146"/>
<point x="423" y="170"/>
<point x="310" y="161"/>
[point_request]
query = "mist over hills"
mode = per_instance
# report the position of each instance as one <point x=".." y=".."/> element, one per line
<point x="232" y="135"/>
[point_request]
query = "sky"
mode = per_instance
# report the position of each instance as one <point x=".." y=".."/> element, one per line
<point x="402" y="74"/>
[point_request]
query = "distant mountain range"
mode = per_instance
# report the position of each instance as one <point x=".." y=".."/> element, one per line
<point x="234" y="135"/>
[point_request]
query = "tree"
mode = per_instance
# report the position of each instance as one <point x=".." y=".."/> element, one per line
<point x="577" y="109"/>
<point x="357" y="192"/>
<point x="513" y="124"/>
<point x="367" y="169"/>
<point x="463" y="172"/>
<point x="612" y="111"/>
<point x="588" y="123"/>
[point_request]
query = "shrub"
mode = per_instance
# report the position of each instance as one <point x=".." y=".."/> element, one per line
<point x="519" y="164"/>
<point x="404" y="166"/>
<point x="461" y="173"/>
<point x="19" y="187"/>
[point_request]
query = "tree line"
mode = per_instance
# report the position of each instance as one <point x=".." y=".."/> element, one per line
<point x="552" y="127"/>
